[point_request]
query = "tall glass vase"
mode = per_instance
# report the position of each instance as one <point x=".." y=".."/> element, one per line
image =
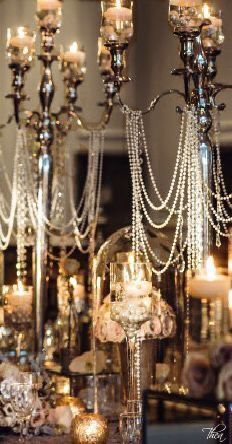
<point x="131" y="306"/>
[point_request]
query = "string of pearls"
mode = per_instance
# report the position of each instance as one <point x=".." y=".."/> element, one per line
<point x="188" y="201"/>
<point x="22" y="212"/>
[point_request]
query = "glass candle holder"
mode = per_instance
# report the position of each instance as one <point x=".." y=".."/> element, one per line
<point x="73" y="60"/>
<point x="185" y="15"/>
<point x="131" y="288"/>
<point x="49" y="14"/>
<point x="20" y="46"/>
<point x="130" y="425"/>
<point x="212" y="35"/>
<point x="117" y="21"/>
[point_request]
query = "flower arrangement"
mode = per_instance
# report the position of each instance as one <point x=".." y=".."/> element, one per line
<point x="210" y="373"/>
<point x="46" y="418"/>
<point x="162" y="325"/>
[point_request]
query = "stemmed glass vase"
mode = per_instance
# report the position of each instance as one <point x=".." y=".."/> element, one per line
<point x="131" y="306"/>
<point x="23" y="400"/>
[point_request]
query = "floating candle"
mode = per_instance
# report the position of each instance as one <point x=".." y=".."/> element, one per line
<point x="134" y="289"/>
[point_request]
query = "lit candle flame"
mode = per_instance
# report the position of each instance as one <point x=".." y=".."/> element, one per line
<point x="21" y="32"/>
<point x="19" y="288"/>
<point x="73" y="281"/>
<point x="206" y="11"/>
<point x="210" y="268"/>
<point x="118" y="3"/>
<point x="74" y="47"/>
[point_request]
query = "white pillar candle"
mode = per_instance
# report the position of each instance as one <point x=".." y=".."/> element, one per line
<point x="209" y="284"/>
<point x="47" y="5"/>
<point x="20" y="297"/>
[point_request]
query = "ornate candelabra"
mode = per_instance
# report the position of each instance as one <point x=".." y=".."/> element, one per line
<point x="51" y="129"/>
<point x="197" y="195"/>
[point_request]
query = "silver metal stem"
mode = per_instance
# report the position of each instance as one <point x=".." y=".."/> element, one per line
<point x="201" y="100"/>
<point x="205" y="151"/>
<point x="45" y="137"/>
<point x="44" y="206"/>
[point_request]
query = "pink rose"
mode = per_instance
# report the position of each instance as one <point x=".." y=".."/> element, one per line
<point x="198" y="375"/>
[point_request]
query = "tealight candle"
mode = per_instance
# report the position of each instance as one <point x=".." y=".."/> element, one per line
<point x="209" y="284"/>
<point x="74" y="55"/>
<point x="47" y="5"/>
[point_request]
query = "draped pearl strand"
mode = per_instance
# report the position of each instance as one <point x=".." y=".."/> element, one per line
<point x="23" y="212"/>
<point x="188" y="200"/>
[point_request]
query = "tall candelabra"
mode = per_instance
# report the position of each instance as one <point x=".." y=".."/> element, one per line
<point x="51" y="130"/>
<point x="197" y="197"/>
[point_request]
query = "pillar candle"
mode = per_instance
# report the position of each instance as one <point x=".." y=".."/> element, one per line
<point x="209" y="284"/>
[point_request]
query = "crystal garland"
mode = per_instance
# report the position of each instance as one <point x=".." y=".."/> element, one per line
<point x="189" y="198"/>
<point x="22" y="211"/>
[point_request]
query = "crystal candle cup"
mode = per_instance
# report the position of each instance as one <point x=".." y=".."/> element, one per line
<point x="49" y="14"/>
<point x="185" y="15"/>
<point x="131" y="288"/>
<point x="117" y="21"/>
<point x="20" y="46"/>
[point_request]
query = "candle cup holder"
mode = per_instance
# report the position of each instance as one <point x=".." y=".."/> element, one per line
<point x="211" y="55"/>
<point x="185" y="15"/>
<point x="212" y="41"/>
<point x="117" y="21"/>
<point x="17" y="95"/>
<point x="117" y="51"/>
<point x="49" y="20"/>
<point x="73" y="67"/>
<point x="188" y="43"/>
<point x="20" y="53"/>
<point x="187" y="55"/>
<point x="131" y="287"/>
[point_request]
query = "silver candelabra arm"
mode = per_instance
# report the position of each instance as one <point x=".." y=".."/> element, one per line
<point x="155" y="101"/>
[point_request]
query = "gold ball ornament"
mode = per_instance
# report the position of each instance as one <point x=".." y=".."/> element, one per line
<point x="89" y="428"/>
